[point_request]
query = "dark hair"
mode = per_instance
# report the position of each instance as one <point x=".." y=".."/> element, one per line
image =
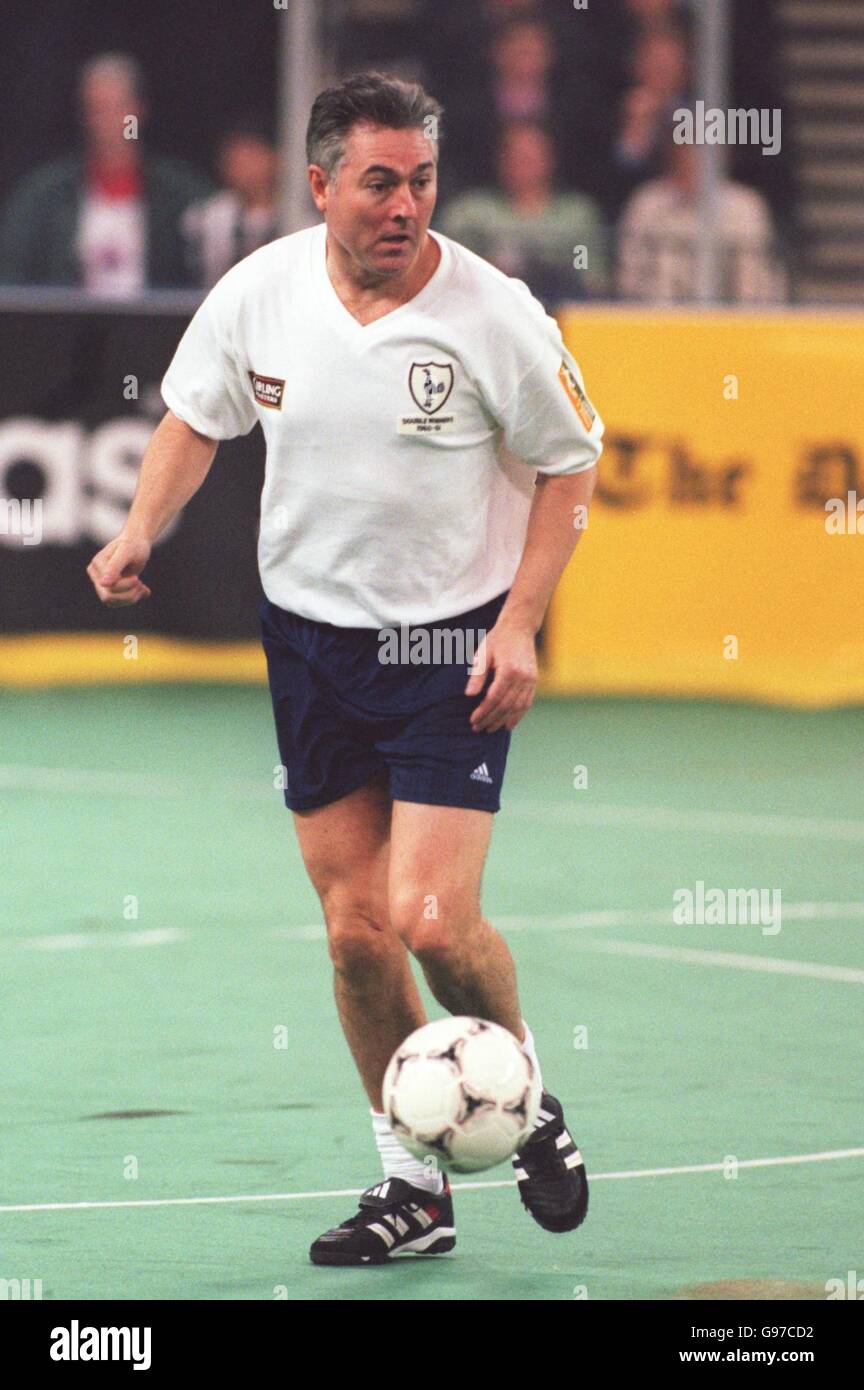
<point x="249" y="125"/>
<point x="118" y="65"/>
<point x="367" y="96"/>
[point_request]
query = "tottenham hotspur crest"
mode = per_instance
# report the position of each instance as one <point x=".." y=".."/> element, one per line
<point x="430" y="384"/>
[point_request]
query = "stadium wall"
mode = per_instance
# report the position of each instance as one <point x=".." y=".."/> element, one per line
<point x="722" y="556"/>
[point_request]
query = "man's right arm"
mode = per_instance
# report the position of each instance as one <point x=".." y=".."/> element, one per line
<point x="175" y="464"/>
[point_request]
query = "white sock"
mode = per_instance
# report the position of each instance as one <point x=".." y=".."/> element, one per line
<point x="398" y="1163"/>
<point x="528" y="1044"/>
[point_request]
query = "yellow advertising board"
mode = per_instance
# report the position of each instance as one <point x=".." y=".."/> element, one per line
<point x="724" y="554"/>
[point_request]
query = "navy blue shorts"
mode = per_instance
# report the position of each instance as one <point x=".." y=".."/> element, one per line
<point x="344" y="716"/>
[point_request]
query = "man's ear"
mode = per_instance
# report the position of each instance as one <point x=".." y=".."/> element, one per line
<point x="318" y="186"/>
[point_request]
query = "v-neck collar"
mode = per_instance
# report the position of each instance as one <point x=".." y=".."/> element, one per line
<point x="342" y="318"/>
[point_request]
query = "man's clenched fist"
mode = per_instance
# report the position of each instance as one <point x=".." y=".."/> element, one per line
<point x="114" y="571"/>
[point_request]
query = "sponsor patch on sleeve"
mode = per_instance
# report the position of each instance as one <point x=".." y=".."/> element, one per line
<point x="268" y="390"/>
<point x="580" y="402"/>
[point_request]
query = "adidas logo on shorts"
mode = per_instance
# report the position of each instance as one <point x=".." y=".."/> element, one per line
<point x="481" y="774"/>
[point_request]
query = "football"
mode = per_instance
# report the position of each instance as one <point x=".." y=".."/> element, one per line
<point x="462" y="1090"/>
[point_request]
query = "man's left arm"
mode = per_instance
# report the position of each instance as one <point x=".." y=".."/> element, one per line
<point x="558" y="516"/>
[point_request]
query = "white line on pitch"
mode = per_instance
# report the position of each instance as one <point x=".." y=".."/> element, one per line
<point x="565" y="921"/>
<point x="662" y="916"/>
<point x="131" y="782"/>
<point x="665" y="818"/>
<point x="730" y="960"/>
<point x="825" y="1157"/>
<point x="128" y="782"/>
<point x="610" y="917"/>
<point x="77" y="941"/>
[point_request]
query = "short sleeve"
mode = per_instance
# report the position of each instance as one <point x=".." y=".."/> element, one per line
<point x="205" y="384"/>
<point x="542" y="406"/>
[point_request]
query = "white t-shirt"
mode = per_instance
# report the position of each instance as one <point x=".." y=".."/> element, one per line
<point x="112" y="245"/>
<point x="659" y="241"/>
<point x="388" y="497"/>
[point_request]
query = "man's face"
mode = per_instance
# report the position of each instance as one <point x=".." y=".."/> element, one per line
<point x="661" y="63"/>
<point x="524" y="53"/>
<point x="525" y="161"/>
<point x="379" y="207"/>
<point x="106" y="101"/>
<point x="248" y="166"/>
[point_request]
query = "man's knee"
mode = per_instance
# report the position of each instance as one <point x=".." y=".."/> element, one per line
<point x="359" y="934"/>
<point x="435" y="926"/>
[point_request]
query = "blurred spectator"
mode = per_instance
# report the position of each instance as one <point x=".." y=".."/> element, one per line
<point x="381" y="34"/>
<point x="652" y="14"/>
<point x="514" y="82"/>
<point x="659" y="233"/>
<point x="107" y="217"/>
<point x="522" y="57"/>
<point x="569" y="73"/>
<point x="496" y="10"/>
<point x="660" y="66"/>
<point x="525" y="227"/>
<point x="661" y="61"/>
<point x="224" y="228"/>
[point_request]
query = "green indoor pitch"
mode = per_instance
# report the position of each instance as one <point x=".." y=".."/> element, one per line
<point x="181" y="1113"/>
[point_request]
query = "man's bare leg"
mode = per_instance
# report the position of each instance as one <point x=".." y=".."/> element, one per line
<point x="436" y="865"/>
<point x="345" y="848"/>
